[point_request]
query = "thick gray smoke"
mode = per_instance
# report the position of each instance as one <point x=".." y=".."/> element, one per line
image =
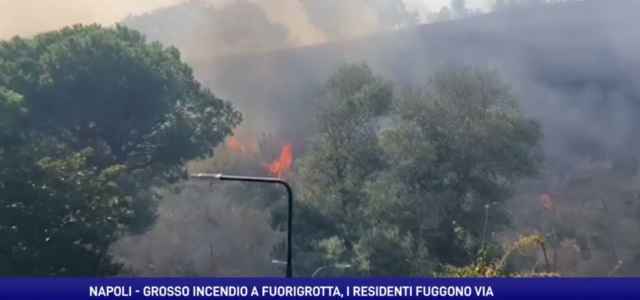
<point x="345" y="19"/>
<point x="212" y="36"/>
<point x="202" y="30"/>
<point x="573" y="65"/>
<point x="201" y="232"/>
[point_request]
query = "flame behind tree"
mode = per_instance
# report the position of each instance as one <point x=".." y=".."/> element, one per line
<point x="242" y="142"/>
<point x="283" y="164"/>
<point x="234" y="145"/>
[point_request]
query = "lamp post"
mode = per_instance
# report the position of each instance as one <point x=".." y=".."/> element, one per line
<point x="275" y="180"/>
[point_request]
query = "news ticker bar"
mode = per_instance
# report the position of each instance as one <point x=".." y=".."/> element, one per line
<point x="279" y="288"/>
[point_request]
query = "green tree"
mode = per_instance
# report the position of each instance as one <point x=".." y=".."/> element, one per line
<point x="95" y="117"/>
<point x="406" y="188"/>
<point x="344" y="154"/>
<point x="455" y="154"/>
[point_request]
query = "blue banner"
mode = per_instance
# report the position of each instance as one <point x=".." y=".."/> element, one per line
<point x="277" y="288"/>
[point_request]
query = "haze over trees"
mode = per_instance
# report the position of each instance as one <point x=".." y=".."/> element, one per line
<point x="426" y="159"/>
<point x="202" y="233"/>
<point x="404" y="180"/>
<point x="243" y="26"/>
<point x="391" y="182"/>
<point x="585" y="108"/>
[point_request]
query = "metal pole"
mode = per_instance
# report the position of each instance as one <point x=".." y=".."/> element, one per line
<point x="337" y="266"/>
<point x="319" y="270"/>
<point x="264" y="180"/>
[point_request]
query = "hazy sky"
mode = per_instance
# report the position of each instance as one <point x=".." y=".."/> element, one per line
<point x="26" y="17"/>
<point x="31" y="16"/>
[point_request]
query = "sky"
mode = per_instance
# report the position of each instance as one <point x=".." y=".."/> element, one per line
<point x="26" y="17"/>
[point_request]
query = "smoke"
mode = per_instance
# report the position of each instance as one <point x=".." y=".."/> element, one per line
<point x="252" y="26"/>
<point x="237" y="27"/>
<point x="573" y="65"/>
<point x="200" y="232"/>
<point x="300" y="17"/>
<point x="347" y="19"/>
<point x="212" y="33"/>
<point x="32" y="16"/>
<point x="217" y="228"/>
<point x="563" y="82"/>
<point x="580" y="88"/>
<point x="291" y="14"/>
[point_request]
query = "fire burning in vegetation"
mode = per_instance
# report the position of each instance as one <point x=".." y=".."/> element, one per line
<point x="277" y="168"/>
<point x="242" y="144"/>
<point x="283" y="164"/>
<point x="234" y="145"/>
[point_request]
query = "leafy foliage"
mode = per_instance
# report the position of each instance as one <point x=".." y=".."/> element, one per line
<point x="345" y="151"/>
<point x="486" y="266"/>
<point x="460" y="145"/>
<point x="92" y="118"/>
<point x="408" y="183"/>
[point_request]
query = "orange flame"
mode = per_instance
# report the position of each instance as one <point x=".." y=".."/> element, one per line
<point x="242" y="144"/>
<point x="234" y="145"/>
<point x="282" y="164"/>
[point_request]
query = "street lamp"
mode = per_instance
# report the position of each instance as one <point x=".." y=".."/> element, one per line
<point x="337" y="266"/>
<point x="275" y="180"/>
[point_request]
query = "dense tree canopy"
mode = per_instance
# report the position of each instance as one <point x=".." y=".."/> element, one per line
<point x="91" y="119"/>
<point x="459" y="148"/>
<point x="406" y="181"/>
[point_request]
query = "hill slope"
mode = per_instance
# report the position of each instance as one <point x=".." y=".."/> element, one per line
<point x="572" y="64"/>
